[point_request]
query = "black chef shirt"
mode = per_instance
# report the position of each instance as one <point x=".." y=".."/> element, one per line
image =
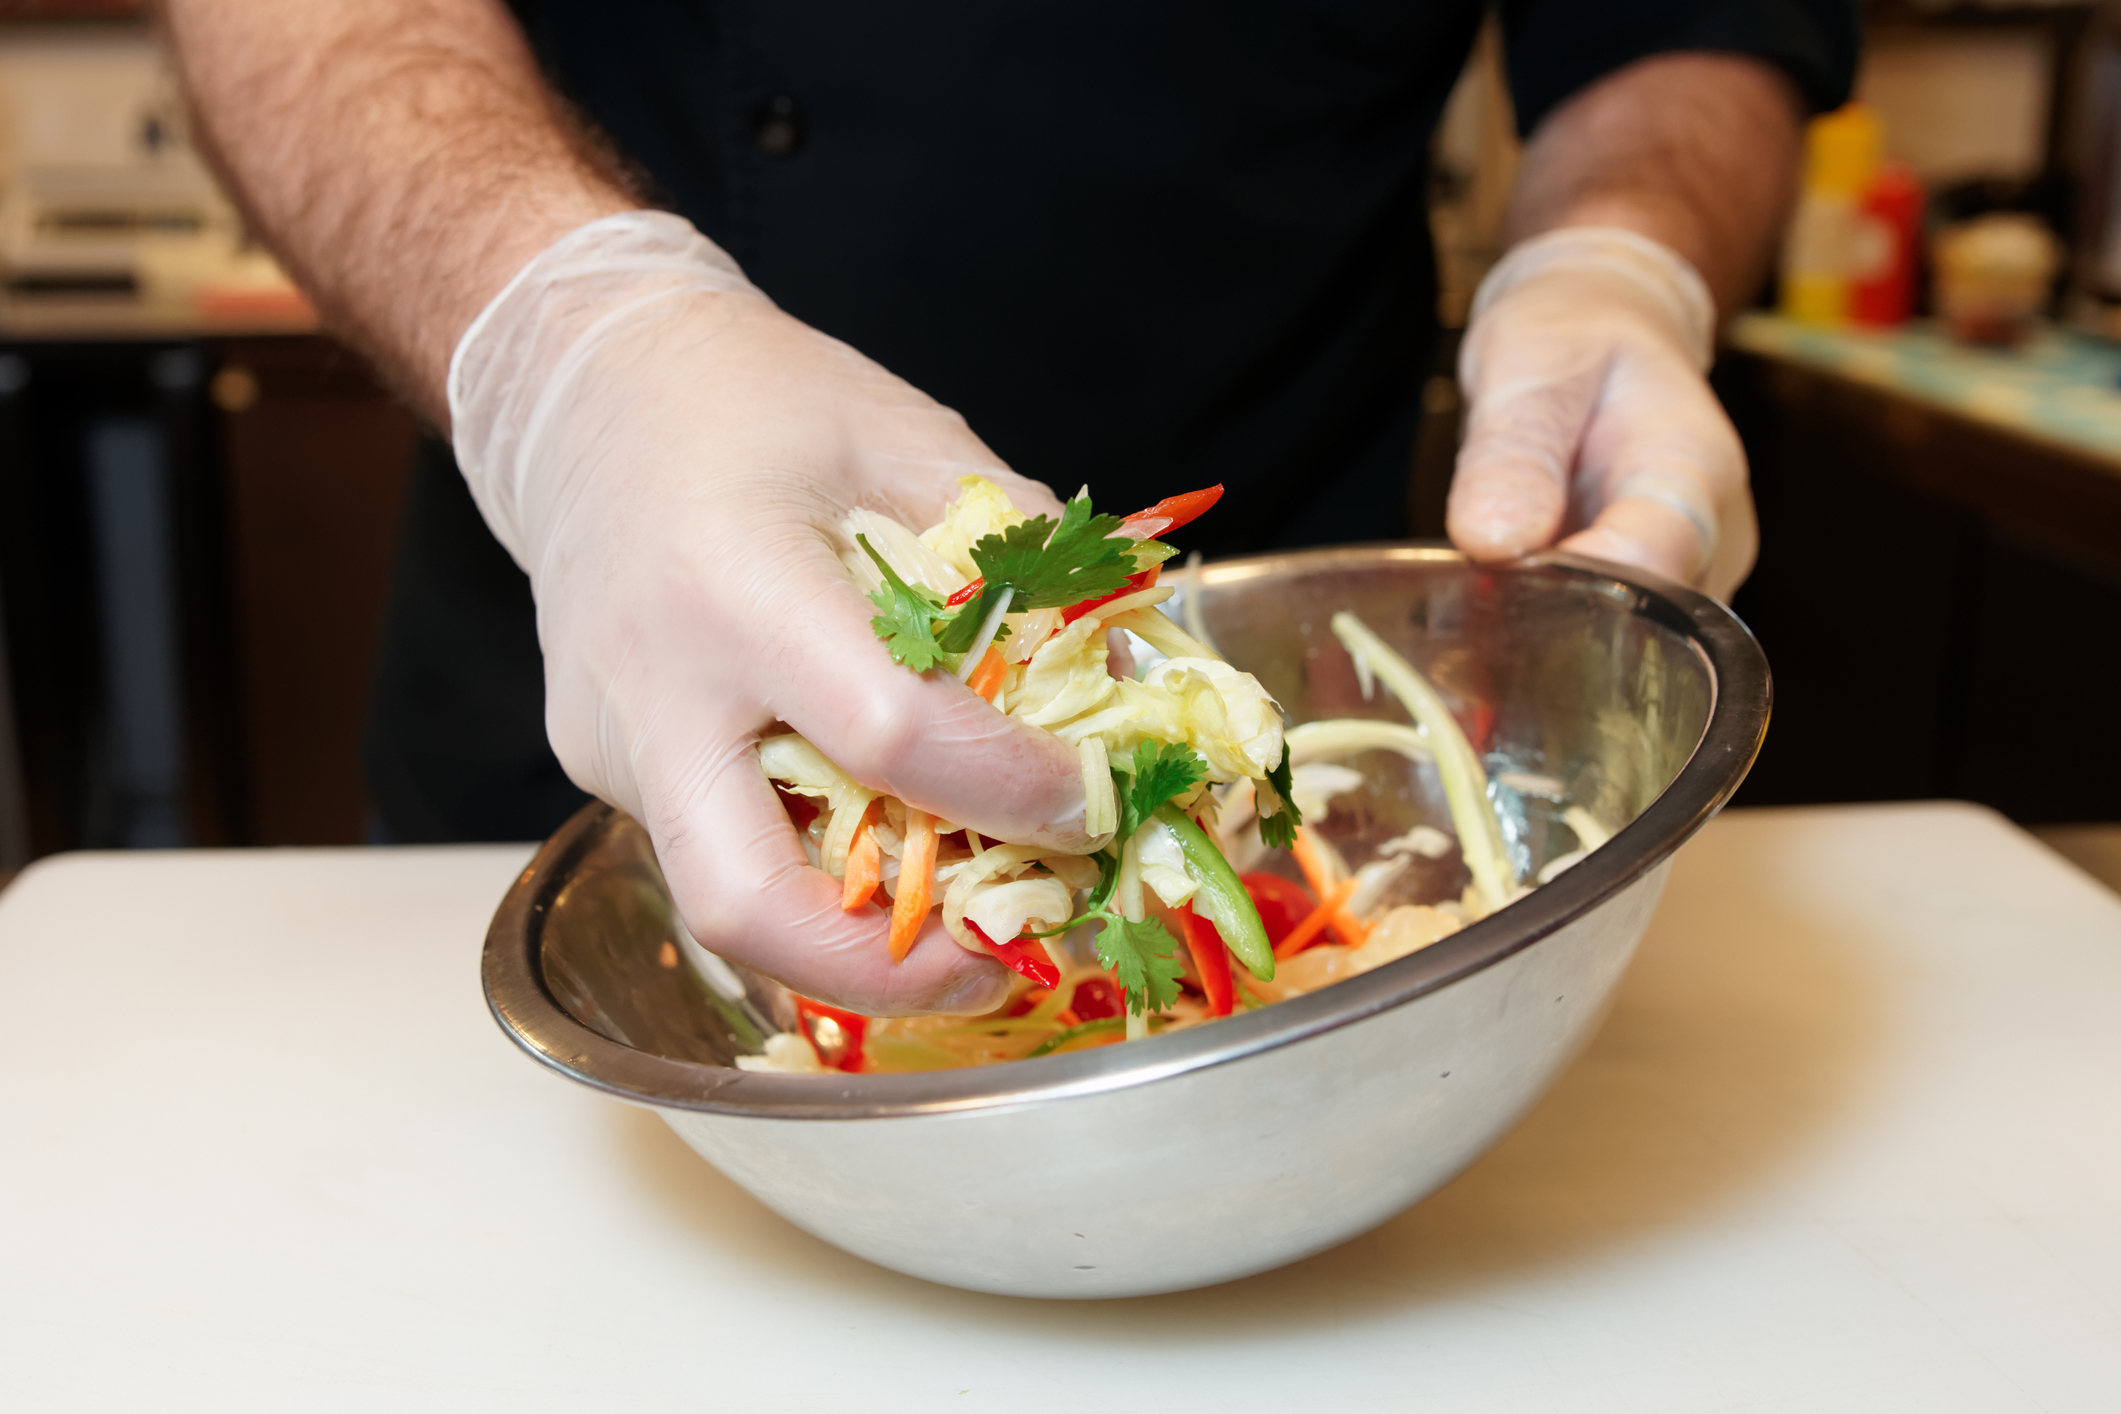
<point x="1141" y="244"/>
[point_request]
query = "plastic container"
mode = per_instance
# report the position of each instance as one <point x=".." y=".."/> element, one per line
<point x="1993" y="277"/>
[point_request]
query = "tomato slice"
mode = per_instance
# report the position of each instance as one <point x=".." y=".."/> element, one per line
<point x="1282" y="903"/>
<point x="1097" y="998"/>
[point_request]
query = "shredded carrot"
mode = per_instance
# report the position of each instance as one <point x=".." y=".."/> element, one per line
<point x="865" y="869"/>
<point x="986" y="679"/>
<point x="916" y="882"/>
<point x="1314" y="922"/>
<point x="1312" y="863"/>
<point x="1352" y="930"/>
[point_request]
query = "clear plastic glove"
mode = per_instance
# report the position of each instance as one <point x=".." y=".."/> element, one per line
<point x="667" y="455"/>
<point x="1589" y="422"/>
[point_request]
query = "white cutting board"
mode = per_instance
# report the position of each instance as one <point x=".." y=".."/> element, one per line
<point x="1850" y="1141"/>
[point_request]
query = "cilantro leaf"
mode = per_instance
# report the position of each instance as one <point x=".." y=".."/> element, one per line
<point x="907" y="624"/>
<point x="1144" y="955"/>
<point x="1080" y="560"/>
<point x="1052" y="564"/>
<point x="1160" y="771"/>
<point x="1045" y="564"/>
<point x="1278" y="831"/>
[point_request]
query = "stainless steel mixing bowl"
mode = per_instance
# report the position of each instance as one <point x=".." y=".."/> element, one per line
<point x="1230" y="1148"/>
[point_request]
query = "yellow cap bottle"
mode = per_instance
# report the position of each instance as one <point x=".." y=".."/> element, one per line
<point x="1841" y="155"/>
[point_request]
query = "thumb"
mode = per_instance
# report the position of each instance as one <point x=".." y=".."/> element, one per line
<point x="923" y="737"/>
<point x="745" y="890"/>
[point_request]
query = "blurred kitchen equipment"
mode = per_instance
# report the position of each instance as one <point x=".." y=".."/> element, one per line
<point x="1214" y="1152"/>
<point x="101" y="194"/>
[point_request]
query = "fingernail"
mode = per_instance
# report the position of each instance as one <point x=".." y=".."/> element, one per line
<point x="981" y="992"/>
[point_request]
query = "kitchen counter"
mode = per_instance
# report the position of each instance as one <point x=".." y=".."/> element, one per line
<point x="2061" y="387"/>
<point x="1851" y="1140"/>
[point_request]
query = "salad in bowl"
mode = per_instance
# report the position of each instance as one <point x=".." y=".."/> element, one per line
<point x="1201" y="891"/>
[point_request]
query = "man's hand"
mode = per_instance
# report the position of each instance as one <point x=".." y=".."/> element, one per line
<point x="668" y="456"/>
<point x="1642" y="203"/>
<point x="663" y="450"/>
<point x="1588" y="414"/>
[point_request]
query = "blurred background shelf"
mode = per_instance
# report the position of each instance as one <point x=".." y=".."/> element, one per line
<point x="1939" y="587"/>
<point x="195" y="544"/>
<point x="198" y="491"/>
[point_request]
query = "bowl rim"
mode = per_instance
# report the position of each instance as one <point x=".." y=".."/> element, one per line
<point x="1741" y="695"/>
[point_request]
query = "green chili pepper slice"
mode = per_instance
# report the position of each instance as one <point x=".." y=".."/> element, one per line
<point x="1222" y="899"/>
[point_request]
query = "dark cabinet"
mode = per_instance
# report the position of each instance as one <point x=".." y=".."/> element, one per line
<point x="1940" y="601"/>
<point x="194" y="543"/>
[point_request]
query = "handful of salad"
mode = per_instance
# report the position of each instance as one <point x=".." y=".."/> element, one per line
<point x="1018" y="609"/>
<point x="1183" y="768"/>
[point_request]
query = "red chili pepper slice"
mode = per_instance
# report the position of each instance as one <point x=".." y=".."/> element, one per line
<point x="1183" y="508"/>
<point x="835" y="1035"/>
<point x="1211" y="959"/>
<point x="1178" y="510"/>
<point x="1023" y="955"/>
<point x="1134" y="582"/>
<point x="1282" y="903"/>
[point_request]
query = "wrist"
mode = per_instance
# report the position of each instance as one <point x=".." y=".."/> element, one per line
<point x="1653" y="276"/>
<point x="520" y="364"/>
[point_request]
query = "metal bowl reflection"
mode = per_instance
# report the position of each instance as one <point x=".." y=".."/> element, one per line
<point x="1227" y="1149"/>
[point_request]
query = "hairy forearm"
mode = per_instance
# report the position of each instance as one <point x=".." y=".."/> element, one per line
<point x="1699" y="151"/>
<point x="402" y="157"/>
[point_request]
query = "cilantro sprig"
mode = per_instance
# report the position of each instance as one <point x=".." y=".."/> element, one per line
<point x="1142" y="954"/>
<point x="907" y="623"/>
<point x="1157" y="772"/>
<point x="1046" y="564"/>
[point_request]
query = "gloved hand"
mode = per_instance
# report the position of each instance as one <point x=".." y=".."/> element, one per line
<point x="667" y="455"/>
<point x="1589" y="422"/>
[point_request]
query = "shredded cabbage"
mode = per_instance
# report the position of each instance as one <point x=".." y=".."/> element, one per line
<point x="981" y="509"/>
<point x="911" y="560"/>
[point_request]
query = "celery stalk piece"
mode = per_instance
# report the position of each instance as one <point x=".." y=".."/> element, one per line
<point x="1155" y="628"/>
<point x="1127" y="895"/>
<point x="1465" y="780"/>
<point x="1591" y="832"/>
<point x="1100" y="800"/>
<point x="1350" y="736"/>
<point x="1196" y="624"/>
<point x="987" y="629"/>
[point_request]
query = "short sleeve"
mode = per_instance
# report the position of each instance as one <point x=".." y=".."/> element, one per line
<point x="1555" y="47"/>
